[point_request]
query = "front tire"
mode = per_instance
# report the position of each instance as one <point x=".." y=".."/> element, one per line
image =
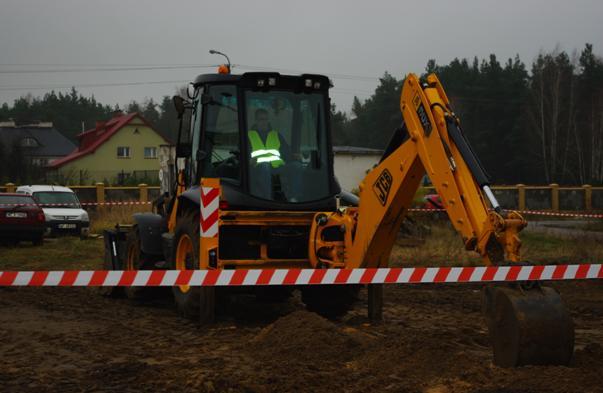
<point x="192" y="302"/>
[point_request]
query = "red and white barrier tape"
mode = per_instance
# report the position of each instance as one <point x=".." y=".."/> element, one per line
<point x="528" y="212"/>
<point x="420" y="210"/>
<point x="116" y="203"/>
<point x="407" y="275"/>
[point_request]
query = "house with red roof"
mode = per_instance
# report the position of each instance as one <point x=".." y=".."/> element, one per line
<point x="120" y="150"/>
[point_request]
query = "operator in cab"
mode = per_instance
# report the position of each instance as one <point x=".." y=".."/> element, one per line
<point x="271" y="161"/>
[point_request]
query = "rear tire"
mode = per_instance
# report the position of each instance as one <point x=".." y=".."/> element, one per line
<point x="136" y="259"/>
<point x="112" y="292"/>
<point x="192" y="302"/>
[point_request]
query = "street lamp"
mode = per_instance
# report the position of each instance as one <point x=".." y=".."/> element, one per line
<point x="215" y="52"/>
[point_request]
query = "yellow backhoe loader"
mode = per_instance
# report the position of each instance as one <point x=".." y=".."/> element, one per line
<point x="262" y="142"/>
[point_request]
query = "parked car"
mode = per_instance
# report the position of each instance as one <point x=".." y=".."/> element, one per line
<point x="432" y="201"/>
<point x="21" y="219"/>
<point x="62" y="209"/>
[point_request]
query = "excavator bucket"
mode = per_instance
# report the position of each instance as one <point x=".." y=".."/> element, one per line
<point x="528" y="325"/>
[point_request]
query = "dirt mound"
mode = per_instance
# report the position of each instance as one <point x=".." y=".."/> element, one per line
<point x="305" y="337"/>
<point x="432" y="339"/>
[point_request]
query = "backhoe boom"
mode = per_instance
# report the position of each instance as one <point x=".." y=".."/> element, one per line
<point x="431" y="143"/>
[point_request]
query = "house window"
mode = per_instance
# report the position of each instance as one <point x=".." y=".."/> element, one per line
<point x="123" y="152"/>
<point x="40" y="161"/>
<point x="150" y="152"/>
<point x="29" y="142"/>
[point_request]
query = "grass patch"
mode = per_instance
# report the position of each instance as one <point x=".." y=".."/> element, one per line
<point x="596" y="226"/>
<point x="64" y="253"/>
<point x="107" y="216"/>
<point x="444" y="247"/>
<point x="69" y="253"/>
<point x="545" y="248"/>
<point x="441" y="247"/>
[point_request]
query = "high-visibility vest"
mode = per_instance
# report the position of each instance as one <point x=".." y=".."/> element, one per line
<point x="266" y="152"/>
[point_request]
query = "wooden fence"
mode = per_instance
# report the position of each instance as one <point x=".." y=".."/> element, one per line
<point x="521" y="197"/>
<point x="100" y="193"/>
<point x="552" y="197"/>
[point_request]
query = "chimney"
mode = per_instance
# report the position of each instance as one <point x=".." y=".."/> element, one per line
<point x="100" y="125"/>
<point x="8" y="124"/>
<point x="44" y="124"/>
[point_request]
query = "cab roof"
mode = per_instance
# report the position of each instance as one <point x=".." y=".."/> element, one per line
<point x="250" y="79"/>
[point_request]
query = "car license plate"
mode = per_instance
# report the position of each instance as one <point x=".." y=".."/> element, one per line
<point x="66" y="226"/>
<point x="16" y="215"/>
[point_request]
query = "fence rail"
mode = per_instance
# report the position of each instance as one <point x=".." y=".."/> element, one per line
<point x="552" y="197"/>
<point x="520" y="196"/>
<point x="101" y="193"/>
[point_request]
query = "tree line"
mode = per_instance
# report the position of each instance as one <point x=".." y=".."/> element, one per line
<point x="541" y="125"/>
<point x="536" y="124"/>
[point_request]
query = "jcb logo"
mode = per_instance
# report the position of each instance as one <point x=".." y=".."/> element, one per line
<point x="416" y="101"/>
<point x="424" y="119"/>
<point x="382" y="186"/>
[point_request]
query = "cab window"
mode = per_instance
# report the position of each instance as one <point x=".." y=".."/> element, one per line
<point x="287" y="152"/>
<point x="220" y="148"/>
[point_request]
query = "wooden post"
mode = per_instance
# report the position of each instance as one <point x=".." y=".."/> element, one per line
<point x="144" y="192"/>
<point x="588" y="197"/>
<point x="375" y="302"/>
<point x="10" y="187"/>
<point x="521" y="197"/>
<point x="100" y="193"/>
<point x="555" y="196"/>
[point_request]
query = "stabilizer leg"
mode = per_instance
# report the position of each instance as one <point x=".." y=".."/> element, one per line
<point x="375" y="302"/>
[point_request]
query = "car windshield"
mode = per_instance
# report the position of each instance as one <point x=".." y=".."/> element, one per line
<point x="57" y="199"/>
<point x="14" y="200"/>
<point x="287" y="145"/>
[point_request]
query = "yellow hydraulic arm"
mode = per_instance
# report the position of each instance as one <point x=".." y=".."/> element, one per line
<point x="430" y="142"/>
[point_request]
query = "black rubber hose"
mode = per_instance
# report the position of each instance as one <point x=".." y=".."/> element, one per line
<point x="467" y="153"/>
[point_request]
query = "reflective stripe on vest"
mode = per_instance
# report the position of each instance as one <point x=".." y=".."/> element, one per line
<point x="266" y="152"/>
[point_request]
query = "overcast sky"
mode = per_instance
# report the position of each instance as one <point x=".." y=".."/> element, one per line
<point x="361" y="39"/>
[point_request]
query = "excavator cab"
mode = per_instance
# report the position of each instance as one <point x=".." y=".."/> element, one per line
<point x="266" y="137"/>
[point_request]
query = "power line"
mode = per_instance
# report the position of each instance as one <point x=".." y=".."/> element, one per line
<point x="102" y="69"/>
<point x="84" y="85"/>
<point x="98" y="64"/>
<point x="82" y="67"/>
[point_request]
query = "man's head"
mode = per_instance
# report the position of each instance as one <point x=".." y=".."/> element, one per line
<point x="261" y="120"/>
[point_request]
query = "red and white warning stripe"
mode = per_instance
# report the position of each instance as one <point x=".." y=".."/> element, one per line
<point x="210" y="204"/>
<point x="419" y="210"/>
<point x="407" y="275"/>
<point x="115" y="203"/>
<point x="556" y="214"/>
<point x="528" y="213"/>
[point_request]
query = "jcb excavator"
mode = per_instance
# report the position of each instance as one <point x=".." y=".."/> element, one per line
<point x="255" y="188"/>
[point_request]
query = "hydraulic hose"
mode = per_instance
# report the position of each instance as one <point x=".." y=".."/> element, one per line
<point x="475" y="167"/>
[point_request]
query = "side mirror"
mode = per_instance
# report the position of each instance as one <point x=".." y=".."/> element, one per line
<point x="180" y="105"/>
<point x="190" y="91"/>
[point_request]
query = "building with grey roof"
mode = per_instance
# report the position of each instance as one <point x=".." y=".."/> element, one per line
<point x="352" y="163"/>
<point x="41" y="142"/>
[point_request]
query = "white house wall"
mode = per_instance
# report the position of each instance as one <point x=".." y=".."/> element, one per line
<point x="350" y="169"/>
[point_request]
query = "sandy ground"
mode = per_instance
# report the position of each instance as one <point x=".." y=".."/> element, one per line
<point x="433" y="340"/>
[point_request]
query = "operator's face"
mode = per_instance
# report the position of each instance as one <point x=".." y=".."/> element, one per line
<point x="262" y="121"/>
